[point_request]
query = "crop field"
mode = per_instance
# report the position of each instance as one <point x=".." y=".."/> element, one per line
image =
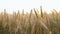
<point x="30" y="23"/>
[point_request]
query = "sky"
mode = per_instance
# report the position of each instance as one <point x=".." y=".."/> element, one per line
<point x="14" y="5"/>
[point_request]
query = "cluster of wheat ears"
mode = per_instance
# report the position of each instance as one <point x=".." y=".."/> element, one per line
<point x="30" y="23"/>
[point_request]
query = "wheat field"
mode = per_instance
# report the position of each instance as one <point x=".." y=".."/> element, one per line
<point x="30" y="23"/>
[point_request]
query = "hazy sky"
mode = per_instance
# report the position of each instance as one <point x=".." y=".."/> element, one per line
<point x="11" y="5"/>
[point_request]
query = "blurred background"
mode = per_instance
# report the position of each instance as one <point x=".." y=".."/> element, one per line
<point x="14" y="5"/>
